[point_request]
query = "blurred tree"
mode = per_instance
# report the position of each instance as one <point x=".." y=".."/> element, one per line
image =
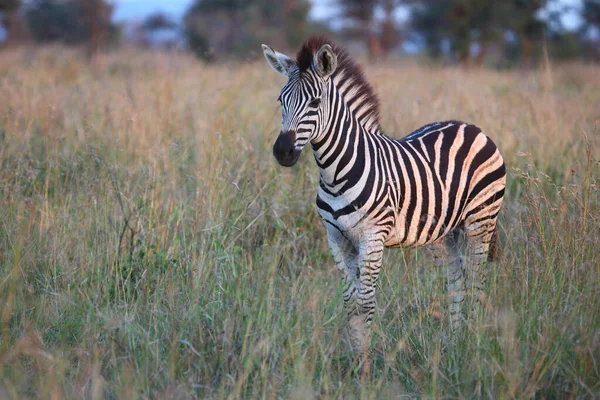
<point x="591" y="13"/>
<point x="360" y="15"/>
<point x="51" y="21"/>
<point x="460" y="23"/>
<point x="565" y="45"/>
<point x="390" y="34"/>
<point x="97" y="15"/>
<point x="294" y="21"/>
<point x="463" y="23"/>
<point x="562" y="43"/>
<point x="158" y="31"/>
<point x="486" y="28"/>
<point x="72" y="22"/>
<point x="158" y="21"/>
<point x="9" y="5"/>
<point x="428" y="19"/>
<point x="237" y="27"/>
<point x="11" y="20"/>
<point x="590" y="31"/>
<point x="381" y="35"/>
<point x="521" y="16"/>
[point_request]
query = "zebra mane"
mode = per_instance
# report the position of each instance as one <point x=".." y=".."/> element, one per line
<point x="347" y="68"/>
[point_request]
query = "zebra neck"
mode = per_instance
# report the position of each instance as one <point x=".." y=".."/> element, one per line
<point x="352" y="121"/>
<point x="357" y="97"/>
<point x="342" y="151"/>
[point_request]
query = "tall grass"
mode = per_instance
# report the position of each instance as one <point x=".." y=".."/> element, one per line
<point x="151" y="247"/>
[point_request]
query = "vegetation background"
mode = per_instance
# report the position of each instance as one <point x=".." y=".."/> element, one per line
<point x="150" y="246"/>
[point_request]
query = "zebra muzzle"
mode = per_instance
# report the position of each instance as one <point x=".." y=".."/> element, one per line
<point x="284" y="149"/>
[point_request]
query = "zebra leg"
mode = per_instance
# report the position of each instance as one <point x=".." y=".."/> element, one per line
<point x="439" y="252"/>
<point x="345" y="256"/>
<point x="447" y="252"/>
<point x="369" y="264"/>
<point x="479" y="237"/>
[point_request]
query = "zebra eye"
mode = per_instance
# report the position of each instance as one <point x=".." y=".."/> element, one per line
<point x="315" y="102"/>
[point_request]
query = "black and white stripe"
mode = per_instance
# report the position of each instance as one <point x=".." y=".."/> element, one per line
<point x="376" y="191"/>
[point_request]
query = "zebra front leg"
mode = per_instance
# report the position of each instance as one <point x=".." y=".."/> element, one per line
<point x="369" y="264"/>
<point x="345" y="256"/>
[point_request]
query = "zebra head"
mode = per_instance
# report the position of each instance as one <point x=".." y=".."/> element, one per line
<point x="303" y="101"/>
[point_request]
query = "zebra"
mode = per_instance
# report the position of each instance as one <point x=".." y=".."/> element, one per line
<point x="441" y="184"/>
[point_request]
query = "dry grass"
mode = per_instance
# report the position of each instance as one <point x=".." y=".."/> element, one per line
<point x="151" y="247"/>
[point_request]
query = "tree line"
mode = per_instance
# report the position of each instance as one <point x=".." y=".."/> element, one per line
<point x="462" y="31"/>
<point x="72" y="22"/>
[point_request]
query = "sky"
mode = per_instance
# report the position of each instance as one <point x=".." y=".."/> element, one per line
<point x="133" y="10"/>
<point x="138" y="9"/>
<point x="321" y="9"/>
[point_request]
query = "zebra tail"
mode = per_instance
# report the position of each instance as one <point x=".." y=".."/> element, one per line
<point x="495" y="250"/>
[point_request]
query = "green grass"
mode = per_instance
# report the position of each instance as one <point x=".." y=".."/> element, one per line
<point x="150" y="247"/>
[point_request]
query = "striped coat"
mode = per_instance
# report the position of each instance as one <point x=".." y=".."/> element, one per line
<point x="442" y="182"/>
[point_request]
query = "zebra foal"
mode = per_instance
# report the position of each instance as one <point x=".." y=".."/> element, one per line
<point x="375" y="191"/>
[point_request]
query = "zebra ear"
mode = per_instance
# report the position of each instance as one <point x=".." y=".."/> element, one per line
<point x="326" y="61"/>
<point x="278" y="61"/>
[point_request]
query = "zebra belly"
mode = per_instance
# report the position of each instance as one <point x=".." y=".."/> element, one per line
<point x="354" y="232"/>
<point x="415" y="232"/>
<point x="420" y="230"/>
<point x="356" y="226"/>
<point x="396" y="235"/>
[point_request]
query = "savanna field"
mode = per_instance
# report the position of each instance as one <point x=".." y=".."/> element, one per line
<point x="151" y="246"/>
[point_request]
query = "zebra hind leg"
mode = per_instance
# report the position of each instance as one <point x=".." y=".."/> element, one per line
<point x="447" y="252"/>
<point x="482" y="246"/>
